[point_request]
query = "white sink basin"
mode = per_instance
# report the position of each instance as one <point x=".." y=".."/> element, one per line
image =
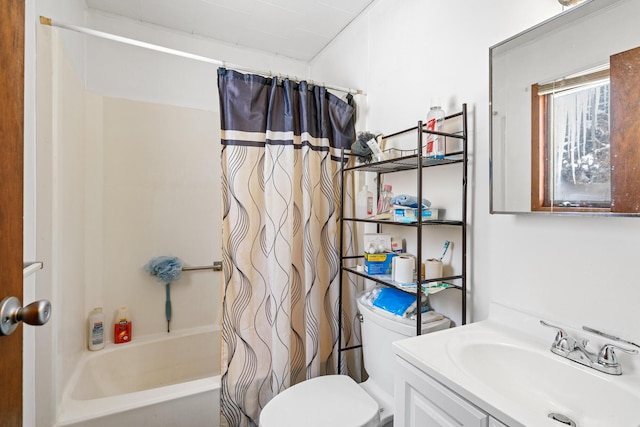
<point x="516" y="378"/>
<point x="546" y="383"/>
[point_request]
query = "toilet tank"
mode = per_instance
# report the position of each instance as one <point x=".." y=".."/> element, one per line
<point x="379" y="330"/>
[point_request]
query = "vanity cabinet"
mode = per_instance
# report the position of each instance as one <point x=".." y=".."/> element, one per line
<point x="414" y="161"/>
<point x="421" y="401"/>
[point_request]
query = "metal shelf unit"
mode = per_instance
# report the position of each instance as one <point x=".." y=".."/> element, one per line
<point x="414" y="161"/>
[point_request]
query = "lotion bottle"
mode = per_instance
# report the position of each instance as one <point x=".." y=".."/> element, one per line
<point x="96" y="329"/>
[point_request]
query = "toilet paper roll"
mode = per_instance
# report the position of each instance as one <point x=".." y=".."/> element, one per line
<point x="433" y="269"/>
<point x="403" y="269"/>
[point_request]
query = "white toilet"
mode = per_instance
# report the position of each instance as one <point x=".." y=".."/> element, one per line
<point x="337" y="400"/>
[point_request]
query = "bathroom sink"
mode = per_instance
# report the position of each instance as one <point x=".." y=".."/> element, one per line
<point x="515" y="377"/>
<point x="547" y="384"/>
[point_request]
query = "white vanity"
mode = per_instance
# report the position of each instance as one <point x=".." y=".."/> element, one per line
<point x="488" y="374"/>
<point x="423" y="401"/>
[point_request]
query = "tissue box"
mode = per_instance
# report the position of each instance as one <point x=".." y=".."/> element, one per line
<point x="411" y="214"/>
<point x="378" y="263"/>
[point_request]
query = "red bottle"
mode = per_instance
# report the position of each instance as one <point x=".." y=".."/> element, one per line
<point x="122" y="326"/>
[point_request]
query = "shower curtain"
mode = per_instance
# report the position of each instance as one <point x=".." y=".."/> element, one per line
<point x="281" y="193"/>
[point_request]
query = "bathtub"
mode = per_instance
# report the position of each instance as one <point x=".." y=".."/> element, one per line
<point x="160" y="381"/>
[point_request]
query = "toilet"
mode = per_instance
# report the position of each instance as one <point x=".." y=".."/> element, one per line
<point x="337" y="400"/>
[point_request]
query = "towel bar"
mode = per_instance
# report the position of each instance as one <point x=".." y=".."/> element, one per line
<point x="216" y="266"/>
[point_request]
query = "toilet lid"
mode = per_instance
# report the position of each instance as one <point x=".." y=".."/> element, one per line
<point x="331" y="400"/>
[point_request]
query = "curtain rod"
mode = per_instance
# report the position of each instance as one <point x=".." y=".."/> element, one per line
<point x="48" y="21"/>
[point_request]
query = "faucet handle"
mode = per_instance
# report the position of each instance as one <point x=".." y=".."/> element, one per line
<point x="609" y="336"/>
<point x="561" y="335"/>
<point x="608" y="357"/>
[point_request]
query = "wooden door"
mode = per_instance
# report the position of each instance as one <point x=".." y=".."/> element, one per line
<point x="11" y="188"/>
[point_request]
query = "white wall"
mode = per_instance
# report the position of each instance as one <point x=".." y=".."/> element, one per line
<point x="68" y="12"/>
<point x="42" y="364"/>
<point x="59" y="218"/>
<point x="37" y="359"/>
<point x="119" y="70"/>
<point x="576" y="270"/>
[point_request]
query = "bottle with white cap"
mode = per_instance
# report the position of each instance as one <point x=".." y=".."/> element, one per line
<point x="364" y="203"/>
<point x="96" y="329"/>
<point x="435" y="146"/>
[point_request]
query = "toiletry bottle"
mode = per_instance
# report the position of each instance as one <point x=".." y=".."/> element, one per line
<point x="122" y="326"/>
<point x="96" y="329"/>
<point x="364" y="203"/>
<point x="435" y="146"/>
<point x="376" y="152"/>
<point x="384" y="202"/>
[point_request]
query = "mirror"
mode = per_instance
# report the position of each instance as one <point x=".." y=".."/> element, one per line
<point x="567" y="47"/>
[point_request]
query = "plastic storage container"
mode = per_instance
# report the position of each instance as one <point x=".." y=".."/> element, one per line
<point x="96" y="329"/>
<point x="384" y="203"/>
<point x="435" y="146"/>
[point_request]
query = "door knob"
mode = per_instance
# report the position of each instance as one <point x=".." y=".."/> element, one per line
<point x="11" y="313"/>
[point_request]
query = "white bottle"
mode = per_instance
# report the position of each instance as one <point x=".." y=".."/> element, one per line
<point x="364" y="203"/>
<point x="96" y="329"/>
<point x="435" y="146"/>
<point x="377" y="154"/>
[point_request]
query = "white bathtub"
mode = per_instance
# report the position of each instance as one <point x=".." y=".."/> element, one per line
<point x="163" y="381"/>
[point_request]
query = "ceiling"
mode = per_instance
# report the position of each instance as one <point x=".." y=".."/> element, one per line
<point x="298" y="29"/>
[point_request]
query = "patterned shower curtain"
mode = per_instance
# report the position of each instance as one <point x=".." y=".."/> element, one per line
<point x="281" y="191"/>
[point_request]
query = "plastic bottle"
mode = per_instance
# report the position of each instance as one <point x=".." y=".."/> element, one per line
<point x="122" y="326"/>
<point x="435" y="146"/>
<point x="377" y="154"/>
<point x="364" y="203"/>
<point x="384" y="202"/>
<point x="96" y="329"/>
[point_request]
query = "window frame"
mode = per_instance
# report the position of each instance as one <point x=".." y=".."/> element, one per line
<point x="541" y="181"/>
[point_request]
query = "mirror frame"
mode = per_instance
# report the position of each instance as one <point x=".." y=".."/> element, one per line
<point x="561" y="20"/>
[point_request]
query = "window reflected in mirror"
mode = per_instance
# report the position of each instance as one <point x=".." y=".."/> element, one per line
<point x="571" y="144"/>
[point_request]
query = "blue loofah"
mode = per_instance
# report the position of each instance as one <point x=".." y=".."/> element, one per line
<point x="167" y="269"/>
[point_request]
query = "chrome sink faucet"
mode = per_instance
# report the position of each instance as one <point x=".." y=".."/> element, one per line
<point x="604" y="360"/>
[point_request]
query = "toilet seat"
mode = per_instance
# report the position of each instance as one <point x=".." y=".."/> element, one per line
<point x="330" y="400"/>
